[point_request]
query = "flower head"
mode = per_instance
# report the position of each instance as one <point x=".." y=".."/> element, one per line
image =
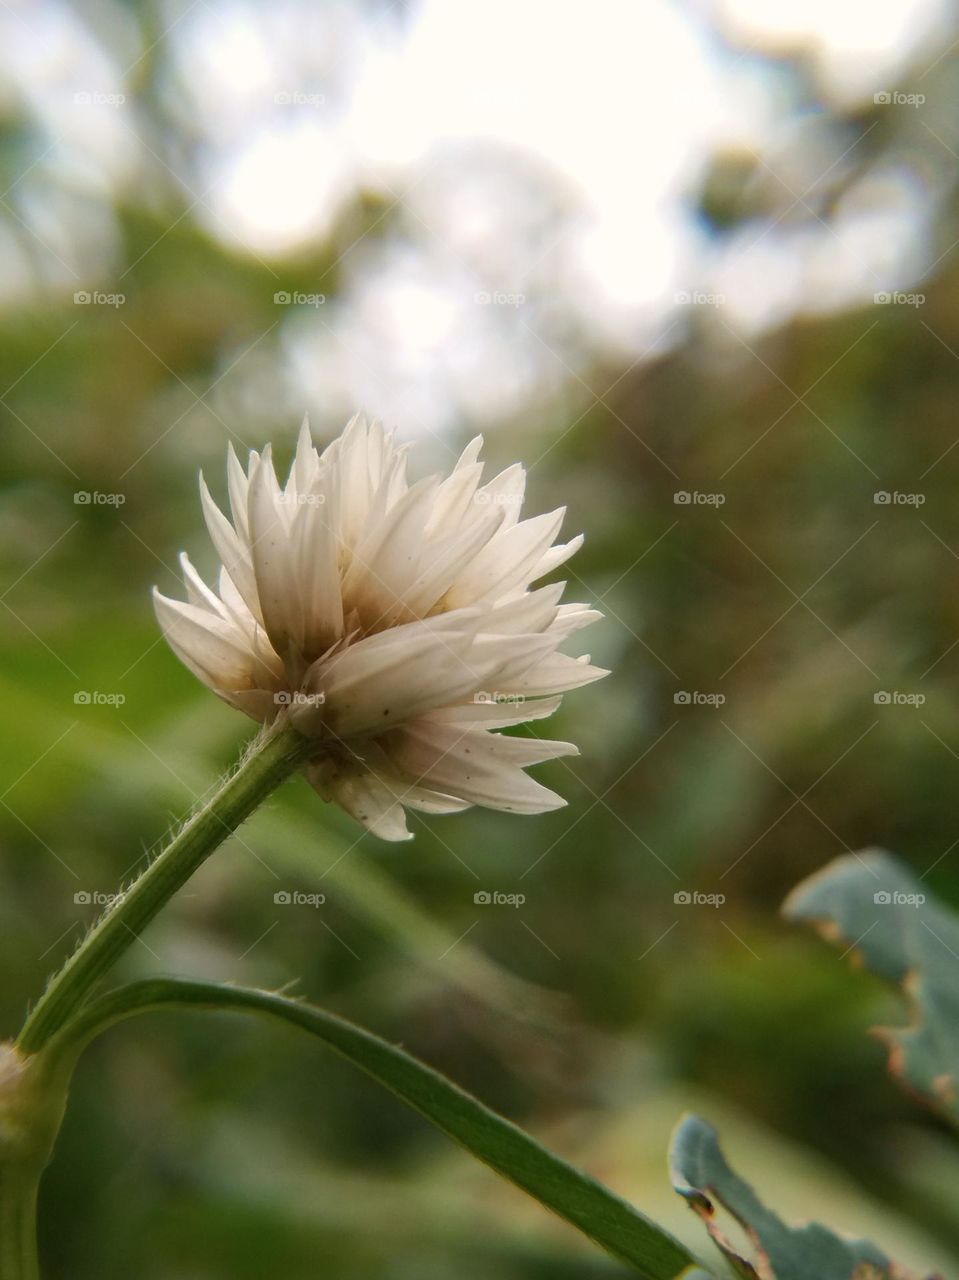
<point x="394" y="623"/>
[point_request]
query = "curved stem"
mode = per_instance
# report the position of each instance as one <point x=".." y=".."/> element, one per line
<point x="616" y="1226"/>
<point x="18" y="1215"/>
<point x="273" y="756"/>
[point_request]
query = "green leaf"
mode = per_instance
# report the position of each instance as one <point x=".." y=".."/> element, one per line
<point x="873" y="905"/>
<point x="811" y="1252"/>
<point x="612" y="1223"/>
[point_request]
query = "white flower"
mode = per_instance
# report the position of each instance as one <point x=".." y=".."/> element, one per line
<point x="393" y="622"/>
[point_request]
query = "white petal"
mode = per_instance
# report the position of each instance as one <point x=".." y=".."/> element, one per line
<point x="532" y="611"/>
<point x="572" y="617"/>
<point x="314" y="557"/>
<point x="238" y="485"/>
<point x="213" y="648"/>
<point x="352" y="488"/>
<point x="446" y="560"/>
<point x="276" y="578"/>
<point x="455" y="496"/>
<point x="489" y="712"/>
<point x="387" y="559"/>
<point x="505" y="491"/>
<point x="197" y="592"/>
<point x="232" y="550"/>
<point x="305" y="462"/>
<point x="558" y="673"/>
<point x="507" y="561"/>
<point x="483" y="768"/>
<point x="388" y="678"/>
<point x="370" y="802"/>
<point x="556" y="556"/>
<point x="504" y="661"/>
<point x="470" y="454"/>
<point x="427" y="801"/>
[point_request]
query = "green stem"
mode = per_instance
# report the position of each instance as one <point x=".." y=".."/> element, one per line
<point x="275" y="755"/>
<point x="616" y="1226"/>
<point x="18" y="1215"/>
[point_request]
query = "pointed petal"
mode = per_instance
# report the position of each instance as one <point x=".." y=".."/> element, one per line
<point x="558" y="673"/>
<point x="487" y="711"/>
<point x="507" y="561"/>
<point x="313" y="548"/>
<point x="233" y="551"/>
<point x="238" y="487"/>
<point x="276" y="579"/>
<point x="306" y="460"/>
<point x="483" y="768"/>
<point x="212" y="648"/>
<point x="370" y="802"/>
<point x="556" y="556"/>
<point x="388" y="678"/>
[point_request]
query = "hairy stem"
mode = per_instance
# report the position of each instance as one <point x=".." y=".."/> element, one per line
<point x="273" y="757"/>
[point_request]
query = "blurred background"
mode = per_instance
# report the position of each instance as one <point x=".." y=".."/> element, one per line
<point x="696" y="265"/>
